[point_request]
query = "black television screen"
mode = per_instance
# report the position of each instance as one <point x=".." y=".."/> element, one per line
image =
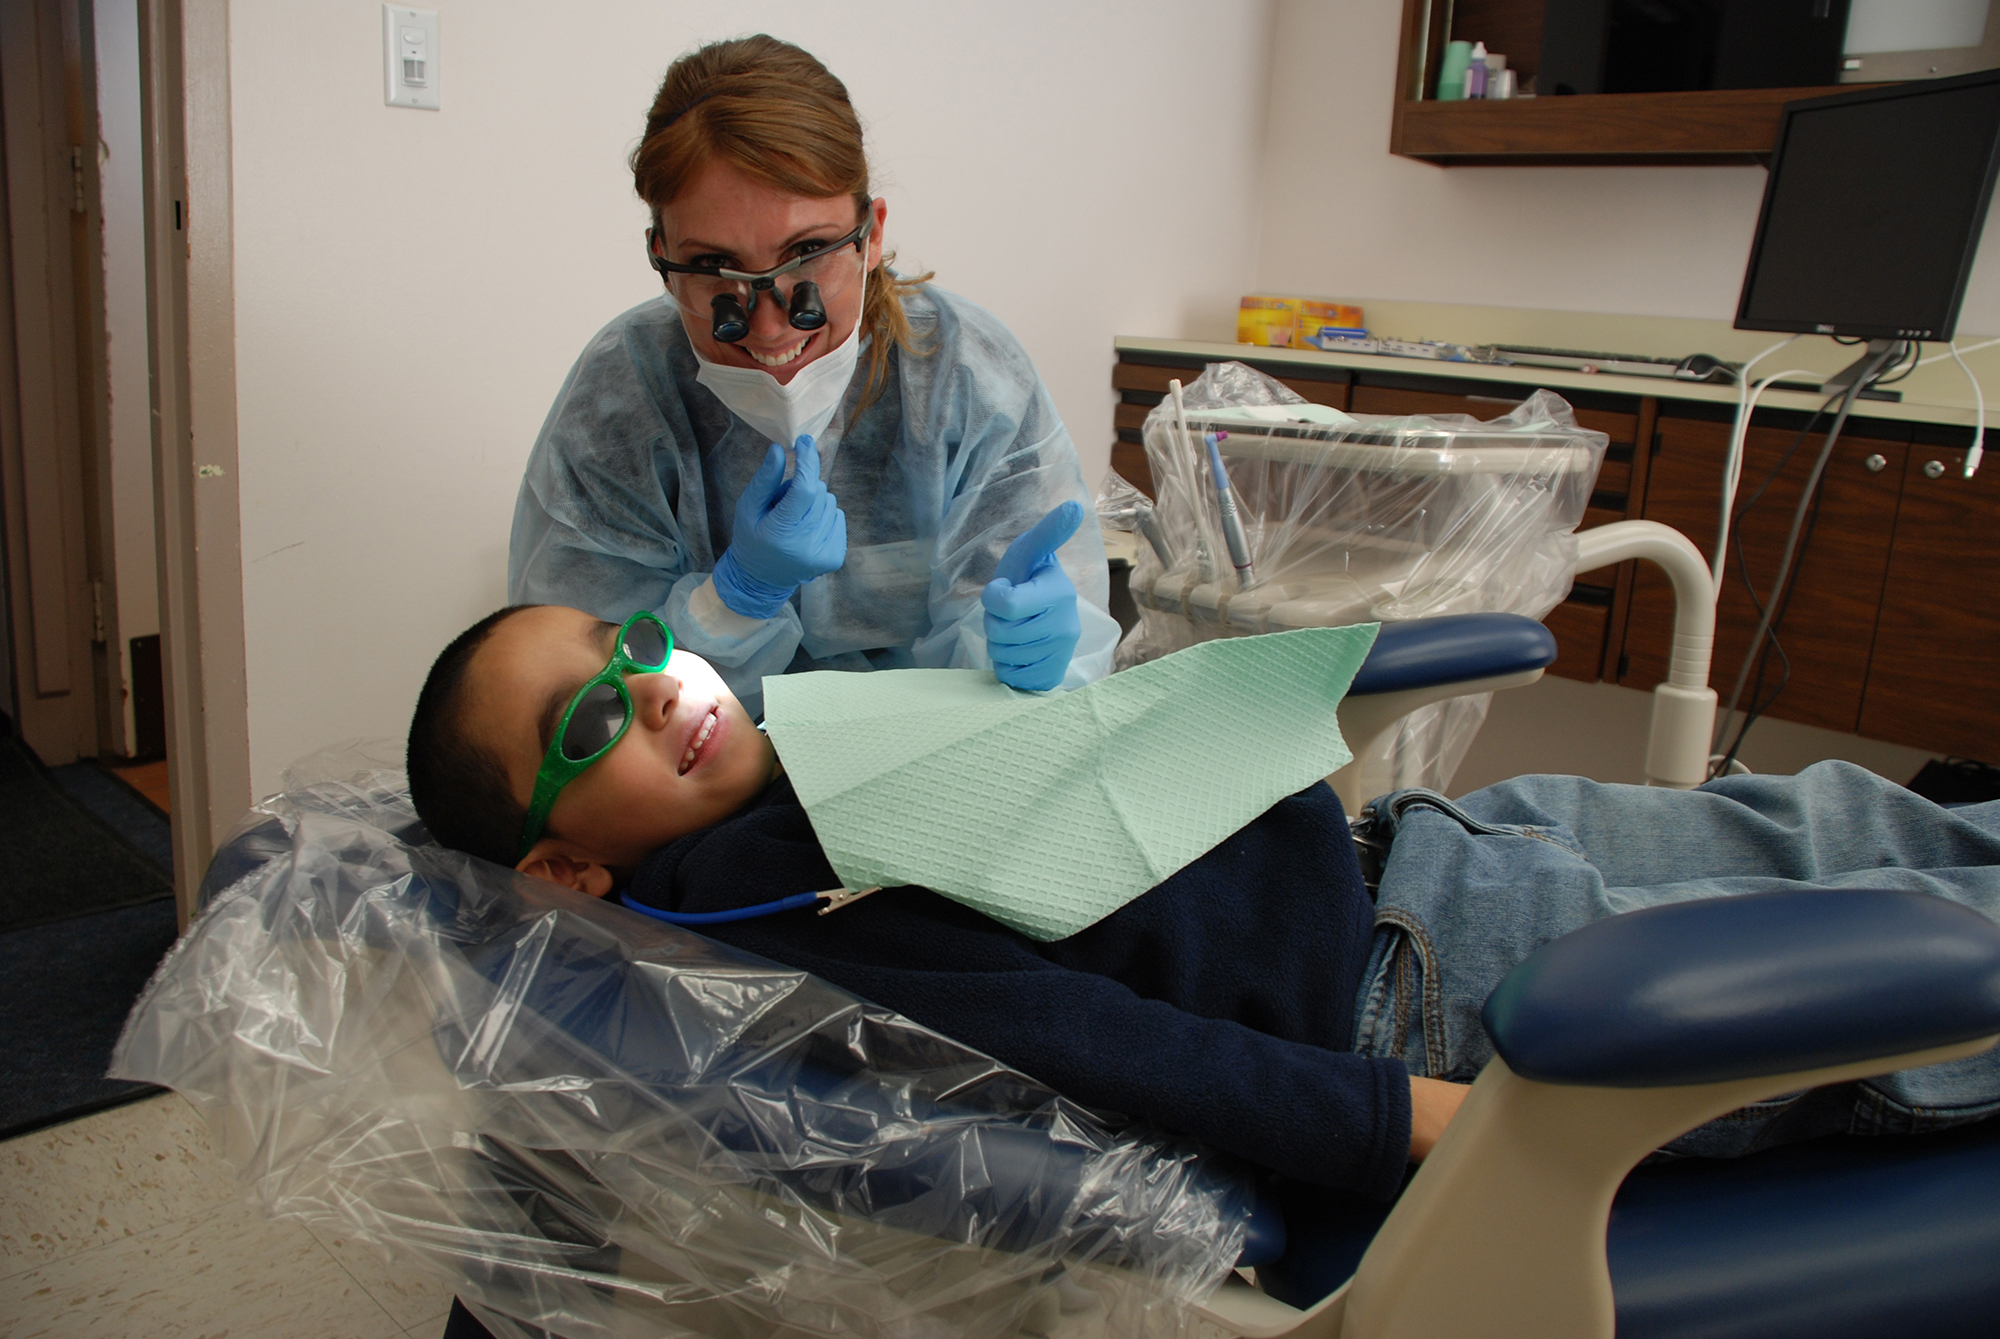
<point x="1873" y="211"/>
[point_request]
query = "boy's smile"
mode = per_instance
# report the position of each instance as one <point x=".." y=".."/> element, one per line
<point x="690" y="758"/>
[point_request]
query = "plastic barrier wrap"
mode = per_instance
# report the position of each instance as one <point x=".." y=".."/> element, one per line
<point x="596" y="1124"/>
<point x="1366" y="517"/>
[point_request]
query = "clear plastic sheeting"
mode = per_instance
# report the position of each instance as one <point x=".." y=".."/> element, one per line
<point x="596" y="1124"/>
<point x="1352" y="519"/>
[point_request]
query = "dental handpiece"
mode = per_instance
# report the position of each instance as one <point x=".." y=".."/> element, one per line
<point x="1204" y="563"/>
<point x="1232" y="524"/>
<point x="1149" y="526"/>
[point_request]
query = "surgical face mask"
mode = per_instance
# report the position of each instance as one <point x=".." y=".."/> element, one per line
<point x="804" y="405"/>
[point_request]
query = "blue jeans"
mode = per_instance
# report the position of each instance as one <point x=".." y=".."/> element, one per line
<point x="1470" y="888"/>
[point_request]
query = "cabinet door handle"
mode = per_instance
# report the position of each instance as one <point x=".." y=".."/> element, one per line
<point x="1933" y="469"/>
<point x="1876" y="463"/>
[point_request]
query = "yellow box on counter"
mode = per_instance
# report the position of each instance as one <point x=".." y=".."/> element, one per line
<point x="1335" y="319"/>
<point x="1275" y="322"/>
<point x="1266" y="321"/>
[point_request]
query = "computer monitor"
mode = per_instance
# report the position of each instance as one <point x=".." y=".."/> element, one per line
<point x="1873" y="211"/>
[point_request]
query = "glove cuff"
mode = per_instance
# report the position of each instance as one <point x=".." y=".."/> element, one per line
<point x="745" y="594"/>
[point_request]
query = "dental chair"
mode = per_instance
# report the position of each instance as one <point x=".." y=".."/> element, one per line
<point x="602" y="1125"/>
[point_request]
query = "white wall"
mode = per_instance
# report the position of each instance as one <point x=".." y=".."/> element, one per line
<point x="120" y="170"/>
<point x="411" y="286"/>
<point x="1344" y="218"/>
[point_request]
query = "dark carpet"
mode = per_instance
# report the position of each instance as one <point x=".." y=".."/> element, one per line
<point x="65" y="989"/>
<point x="57" y="858"/>
<point x="128" y="813"/>
<point x="86" y="912"/>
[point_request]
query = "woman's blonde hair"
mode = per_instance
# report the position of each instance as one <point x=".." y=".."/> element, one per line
<point x="778" y="114"/>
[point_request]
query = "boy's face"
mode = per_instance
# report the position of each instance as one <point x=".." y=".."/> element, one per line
<point x="691" y="756"/>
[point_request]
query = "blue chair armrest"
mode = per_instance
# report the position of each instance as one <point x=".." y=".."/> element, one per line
<point x="1452" y="648"/>
<point x="1735" y="987"/>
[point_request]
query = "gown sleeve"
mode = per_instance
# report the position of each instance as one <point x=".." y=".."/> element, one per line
<point x="1008" y="460"/>
<point x="612" y="515"/>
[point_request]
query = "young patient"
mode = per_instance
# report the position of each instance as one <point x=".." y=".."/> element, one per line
<point x="1260" y="1000"/>
<point x="1219" y="1005"/>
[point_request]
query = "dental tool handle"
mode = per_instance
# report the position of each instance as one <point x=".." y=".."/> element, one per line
<point x="1149" y="526"/>
<point x="1232" y="524"/>
<point x="1204" y="562"/>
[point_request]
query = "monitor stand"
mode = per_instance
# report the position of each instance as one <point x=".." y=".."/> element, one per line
<point x="1869" y="364"/>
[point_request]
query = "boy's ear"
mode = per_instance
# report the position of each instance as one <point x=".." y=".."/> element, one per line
<point x="560" y="862"/>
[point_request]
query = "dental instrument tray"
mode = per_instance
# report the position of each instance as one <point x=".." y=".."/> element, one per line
<point x="1417" y="445"/>
<point x="1354" y="518"/>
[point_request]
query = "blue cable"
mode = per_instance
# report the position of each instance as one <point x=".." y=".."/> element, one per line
<point x="792" y="903"/>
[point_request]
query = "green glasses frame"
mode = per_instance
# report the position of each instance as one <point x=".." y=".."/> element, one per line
<point x="558" y="769"/>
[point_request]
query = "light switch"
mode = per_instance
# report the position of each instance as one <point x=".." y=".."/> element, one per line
<point x="410" y="57"/>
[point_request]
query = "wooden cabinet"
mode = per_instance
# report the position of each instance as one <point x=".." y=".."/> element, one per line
<point x="1827" y="626"/>
<point x="1716" y="126"/>
<point x="1931" y="679"/>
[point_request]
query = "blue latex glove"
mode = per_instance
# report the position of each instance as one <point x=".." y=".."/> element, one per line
<point x="787" y="532"/>
<point x="1031" y="623"/>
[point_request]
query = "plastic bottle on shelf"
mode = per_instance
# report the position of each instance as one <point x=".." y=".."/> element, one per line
<point x="1451" y="71"/>
<point x="1475" y="72"/>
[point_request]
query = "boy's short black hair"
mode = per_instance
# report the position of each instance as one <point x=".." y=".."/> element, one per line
<point x="461" y="790"/>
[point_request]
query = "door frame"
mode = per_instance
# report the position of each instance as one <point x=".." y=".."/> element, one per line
<point x="191" y="314"/>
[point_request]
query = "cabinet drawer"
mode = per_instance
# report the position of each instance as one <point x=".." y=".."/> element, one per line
<point x="1937" y="644"/>
<point x="1619" y="427"/>
<point x="1148" y="377"/>
<point x="1143" y="394"/>
<point x="1614" y="476"/>
<point x="1828" y="623"/>
<point x="1580" y="630"/>
<point x="1144" y="383"/>
<point x="1129" y="460"/>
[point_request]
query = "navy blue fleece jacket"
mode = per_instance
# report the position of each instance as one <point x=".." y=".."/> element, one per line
<point x="1219" y="1005"/>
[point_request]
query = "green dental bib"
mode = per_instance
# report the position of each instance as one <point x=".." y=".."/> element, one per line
<point x="1048" y="813"/>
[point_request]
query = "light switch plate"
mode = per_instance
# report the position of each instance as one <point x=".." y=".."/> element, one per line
<point x="410" y="57"/>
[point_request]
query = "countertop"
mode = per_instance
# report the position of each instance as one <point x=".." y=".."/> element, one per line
<point x="1556" y="379"/>
<point x="1936" y="393"/>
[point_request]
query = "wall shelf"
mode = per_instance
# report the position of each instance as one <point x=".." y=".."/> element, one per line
<point x="1720" y="126"/>
<point x="1709" y="126"/>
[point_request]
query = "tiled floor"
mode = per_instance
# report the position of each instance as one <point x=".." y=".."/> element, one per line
<point x="126" y="1224"/>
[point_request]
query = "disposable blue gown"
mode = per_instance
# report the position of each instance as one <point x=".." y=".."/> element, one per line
<point x="628" y="499"/>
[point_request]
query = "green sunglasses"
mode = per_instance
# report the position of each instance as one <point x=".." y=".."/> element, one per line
<point x="597" y="717"/>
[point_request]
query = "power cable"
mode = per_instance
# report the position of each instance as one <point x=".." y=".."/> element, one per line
<point x="1735" y="535"/>
<point x="1759" y="702"/>
<point x="1869" y="371"/>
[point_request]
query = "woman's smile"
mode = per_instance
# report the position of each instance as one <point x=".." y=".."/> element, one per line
<point x="783" y="356"/>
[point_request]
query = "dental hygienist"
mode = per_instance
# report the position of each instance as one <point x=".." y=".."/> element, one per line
<point x="918" y="519"/>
